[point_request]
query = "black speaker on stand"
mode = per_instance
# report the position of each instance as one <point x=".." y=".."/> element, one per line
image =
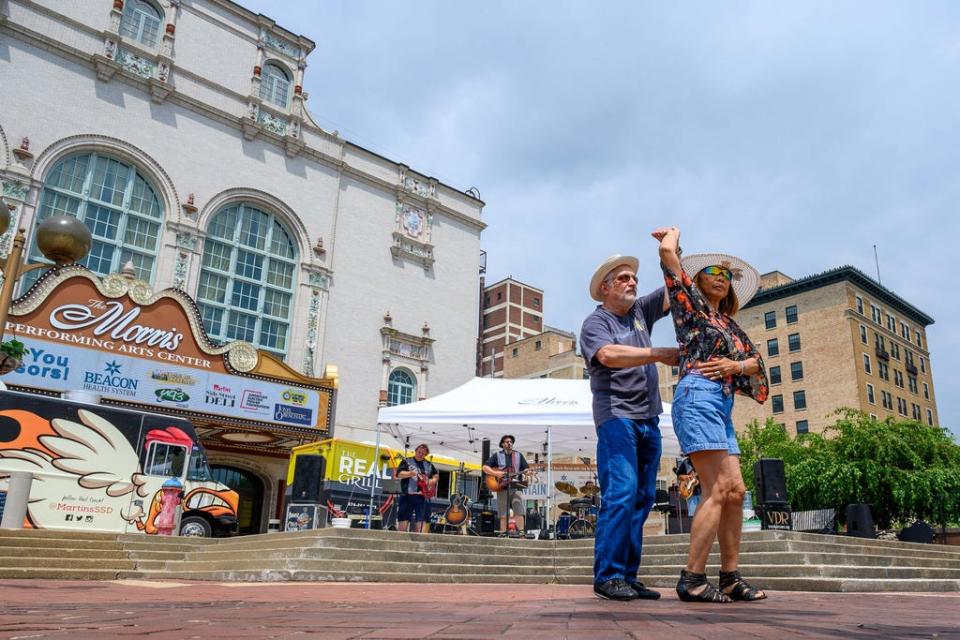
<point x="770" y="482"/>
<point x="308" y="479"/>
<point x="483" y="494"/>
<point x="860" y="521"/>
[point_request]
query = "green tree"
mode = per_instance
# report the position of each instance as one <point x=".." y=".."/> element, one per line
<point x="902" y="468"/>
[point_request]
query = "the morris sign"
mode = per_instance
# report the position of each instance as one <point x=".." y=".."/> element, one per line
<point x="120" y="340"/>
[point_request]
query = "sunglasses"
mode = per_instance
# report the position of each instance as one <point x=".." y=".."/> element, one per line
<point x="718" y="271"/>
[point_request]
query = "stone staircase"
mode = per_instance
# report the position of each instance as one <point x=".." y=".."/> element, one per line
<point x="773" y="560"/>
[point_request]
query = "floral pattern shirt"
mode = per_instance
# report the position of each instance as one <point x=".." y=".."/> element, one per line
<point x="704" y="334"/>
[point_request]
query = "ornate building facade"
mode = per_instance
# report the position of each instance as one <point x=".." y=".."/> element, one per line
<point x="179" y="133"/>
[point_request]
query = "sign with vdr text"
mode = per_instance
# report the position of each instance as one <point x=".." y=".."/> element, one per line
<point x="79" y="339"/>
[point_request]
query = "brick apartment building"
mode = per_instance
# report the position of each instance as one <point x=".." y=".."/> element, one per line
<point x="551" y="354"/>
<point x="830" y="340"/>
<point x="511" y="311"/>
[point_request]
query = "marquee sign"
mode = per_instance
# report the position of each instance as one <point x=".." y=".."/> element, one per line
<point x="117" y="338"/>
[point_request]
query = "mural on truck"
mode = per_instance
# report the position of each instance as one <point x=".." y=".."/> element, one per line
<point x="104" y="469"/>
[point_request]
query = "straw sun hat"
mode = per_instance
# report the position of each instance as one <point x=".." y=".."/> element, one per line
<point x="608" y="265"/>
<point x="746" y="279"/>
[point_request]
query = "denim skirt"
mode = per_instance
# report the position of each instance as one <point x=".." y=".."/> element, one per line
<point x="702" y="416"/>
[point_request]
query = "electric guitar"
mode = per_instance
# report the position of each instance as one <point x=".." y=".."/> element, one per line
<point x="688" y="483"/>
<point x="423" y="485"/>
<point x="458" y="511"/>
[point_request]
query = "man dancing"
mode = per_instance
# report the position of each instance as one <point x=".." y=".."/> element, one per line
<point x="615" y="342"/>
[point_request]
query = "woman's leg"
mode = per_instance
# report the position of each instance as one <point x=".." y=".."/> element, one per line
<point x="713" y="492"/>
<point x="731" y="516"/>
<point x="728" y="533"/>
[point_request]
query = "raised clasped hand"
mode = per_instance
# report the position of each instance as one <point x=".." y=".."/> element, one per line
<point x="661" y="233"/>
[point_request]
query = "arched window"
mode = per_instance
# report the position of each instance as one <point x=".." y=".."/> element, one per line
<point x="274" y="85"/>
<point x="116" y="203"/>
<point x="400" y="388"/>
<point x="247" y="278"/>
<point x="141" y="22"/>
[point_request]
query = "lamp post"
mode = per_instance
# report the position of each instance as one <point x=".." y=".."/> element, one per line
<point x="61" y="239"/>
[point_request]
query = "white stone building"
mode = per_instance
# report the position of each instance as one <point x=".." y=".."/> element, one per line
<point x="178" y="130"/>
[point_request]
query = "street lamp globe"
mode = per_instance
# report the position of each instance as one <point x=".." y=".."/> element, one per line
<point x="63" y="239"/>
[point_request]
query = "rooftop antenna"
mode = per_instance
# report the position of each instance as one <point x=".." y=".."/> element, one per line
<point x="877" y="260"/>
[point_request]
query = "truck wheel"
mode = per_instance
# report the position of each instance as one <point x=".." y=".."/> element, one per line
<point x="195" y="527"/>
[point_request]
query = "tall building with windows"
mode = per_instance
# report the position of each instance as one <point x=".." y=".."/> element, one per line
<point x="179" y="133"/>
<point x="830" y="340"/>
<point x="511" y="311"/>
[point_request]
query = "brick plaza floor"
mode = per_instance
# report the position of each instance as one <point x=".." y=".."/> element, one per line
<point x="62" y="609"/>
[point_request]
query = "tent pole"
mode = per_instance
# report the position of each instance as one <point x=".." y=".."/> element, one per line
<point x="373" y="477"/>
<point x="549" y="518"/>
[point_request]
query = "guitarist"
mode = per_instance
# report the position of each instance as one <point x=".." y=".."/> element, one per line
<point x="511" y="463"/>
<point x="417" y="475"/>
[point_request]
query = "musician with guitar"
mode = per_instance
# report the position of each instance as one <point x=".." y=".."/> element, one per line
<point x="506" y="471"/>
<point x="688" y="483"/>
<point x="418" y="483"/>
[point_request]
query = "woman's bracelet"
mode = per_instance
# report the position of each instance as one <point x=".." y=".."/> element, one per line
<point x="743" y="364"/>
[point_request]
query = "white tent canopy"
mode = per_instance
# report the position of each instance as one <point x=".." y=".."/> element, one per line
<point x="456" y="422"/>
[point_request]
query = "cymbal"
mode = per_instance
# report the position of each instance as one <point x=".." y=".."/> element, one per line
<point x="567" y="488"/>
<point x="590" y="490"/>
<point x="566" y="506"/>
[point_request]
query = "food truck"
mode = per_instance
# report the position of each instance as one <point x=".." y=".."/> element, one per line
<point x="349" y="472"/>
<point x="105" y="469"/>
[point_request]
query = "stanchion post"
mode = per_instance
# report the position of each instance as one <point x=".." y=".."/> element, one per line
<point x="375" y="474"/>
<point x="18" y="495"/>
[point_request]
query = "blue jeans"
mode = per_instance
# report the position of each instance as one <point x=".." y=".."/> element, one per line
<point x="628" y="456"/>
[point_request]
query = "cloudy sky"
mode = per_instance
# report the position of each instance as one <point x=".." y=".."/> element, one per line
<point x="795" y="136"/>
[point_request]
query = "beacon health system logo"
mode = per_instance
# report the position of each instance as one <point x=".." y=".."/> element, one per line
<point x="111" y="380"/>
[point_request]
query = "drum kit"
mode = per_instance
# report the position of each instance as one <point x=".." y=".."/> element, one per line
<point x="579" y="517"/>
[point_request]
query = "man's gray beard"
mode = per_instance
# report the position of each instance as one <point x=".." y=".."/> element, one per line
<point x="628" y="299"/>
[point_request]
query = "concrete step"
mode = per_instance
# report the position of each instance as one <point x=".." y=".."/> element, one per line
<point x="449" y="544"/>
<point x="61" y="573"/>
<point x="69" y="553"/>
<point x="21" y="542"/>
<point x="360" y="565"/>
<point x="54" y="533"/>
<point x="795" y="557"/>
<point x="335" y="553"/>
<point x="804" y="544"/>
<point x="335" y="576"/>
<point x="112" y="564"/>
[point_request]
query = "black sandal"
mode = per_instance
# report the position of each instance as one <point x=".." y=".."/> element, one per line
<point x="690" y="580"/>
<point x="734" y="586"/>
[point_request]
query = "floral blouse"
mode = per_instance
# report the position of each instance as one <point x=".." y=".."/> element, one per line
<point x="704" y="334"/>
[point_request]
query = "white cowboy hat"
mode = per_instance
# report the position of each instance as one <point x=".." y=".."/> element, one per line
<point x="746" y="279"/>
<point x="606" y="267"/>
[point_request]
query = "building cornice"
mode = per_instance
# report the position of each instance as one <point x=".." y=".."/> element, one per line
<point x="844" y="273"/>
<point x="39" y="39"/>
